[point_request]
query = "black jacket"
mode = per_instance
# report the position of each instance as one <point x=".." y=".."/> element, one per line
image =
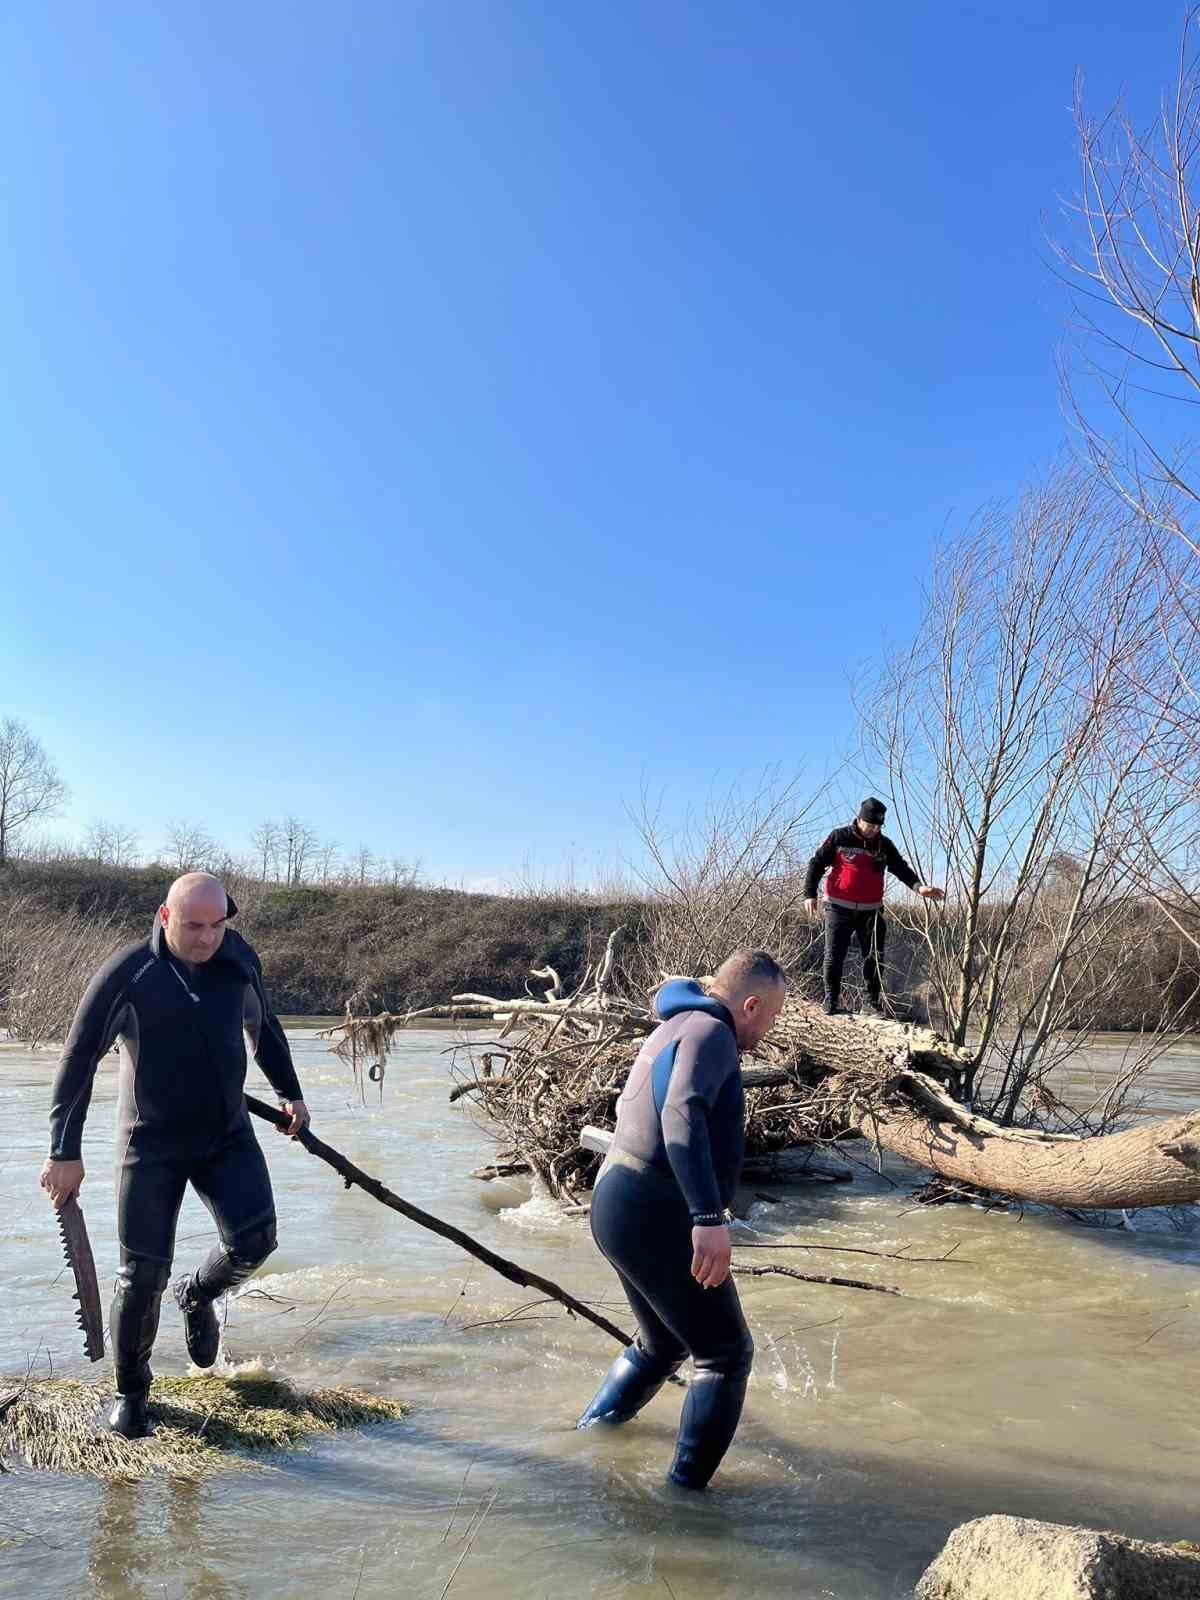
<point x="856" y="866"/>
<point x="183" y="1050"/>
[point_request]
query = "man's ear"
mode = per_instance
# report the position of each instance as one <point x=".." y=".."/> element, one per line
<point x="164" y="914"/>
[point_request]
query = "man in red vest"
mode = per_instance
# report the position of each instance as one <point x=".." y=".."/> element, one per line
<point x="857" y="858"/>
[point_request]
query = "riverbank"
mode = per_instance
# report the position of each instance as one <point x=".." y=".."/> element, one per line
<point x="396" y="947"/>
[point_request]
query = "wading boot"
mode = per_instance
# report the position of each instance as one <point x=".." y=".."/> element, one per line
<point x="706" y="1428"/>
<point x="200" y="1326"/>
<point x="133" y="1324"/>
<point x="226" y="1267"/>
<point x="129" y="1416"/>
<point x="830" y="1005"/>
<point x="633" y="1380"/>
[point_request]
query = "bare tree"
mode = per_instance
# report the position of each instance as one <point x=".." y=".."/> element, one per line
<point x="30" y="787"/>
<point x="111" y="843"/>
<point x="728" y="875"/>
<point x="326" y="857"/>
<point x="298" y="847"/>
<point x="360" y="868"/>
<point x="1131" y="256"/>
<point x="189" y="848"/>
<point x="266" y="839"/>
<point x="1131" y="253"/>
<point x="1024" y="764"/>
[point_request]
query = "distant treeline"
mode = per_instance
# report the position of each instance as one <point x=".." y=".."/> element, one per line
<point x="396" y="946"/>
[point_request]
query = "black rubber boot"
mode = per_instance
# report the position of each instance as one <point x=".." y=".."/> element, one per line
<point x="633" y="1379"/>
<point x="200" y="1326"/>
<point x="133" y="1325"/>
<point x="830" y="1005"/>
<point x="129" y="1416"/>
<point x="706" y="1428"/>
<point x="227" y="1266"/>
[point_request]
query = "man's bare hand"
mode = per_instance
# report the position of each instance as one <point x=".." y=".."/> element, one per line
<point x="928" y="892"/>
<point x="710" y="1256"/>
<point x="811" y="907"/>
<point x="61" y="1180"/>
<point x="298" y="1111"/>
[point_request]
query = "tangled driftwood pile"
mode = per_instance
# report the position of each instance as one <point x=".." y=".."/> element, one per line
<point x="558" y="1063"/>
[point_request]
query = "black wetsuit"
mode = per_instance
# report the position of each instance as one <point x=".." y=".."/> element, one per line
<point x="674" y="1164"/>
<point x="181" y="1118"/>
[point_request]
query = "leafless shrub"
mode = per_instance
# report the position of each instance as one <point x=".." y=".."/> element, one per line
<point x="46" y="960"/>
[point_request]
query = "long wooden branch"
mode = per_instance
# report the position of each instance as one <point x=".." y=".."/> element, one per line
<point x="353" y="1175"/>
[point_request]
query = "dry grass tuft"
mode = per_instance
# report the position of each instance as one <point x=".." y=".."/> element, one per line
<point x="203" y="1425"/>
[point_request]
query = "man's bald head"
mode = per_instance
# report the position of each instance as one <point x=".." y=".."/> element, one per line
<point x="196" y="886"/>
<point x="753" y="986"/>
<point x="194" y="915"/>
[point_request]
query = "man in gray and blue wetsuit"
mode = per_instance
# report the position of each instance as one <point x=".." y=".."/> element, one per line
<point x="177" y="1003"/>
<point x="658" y="1209"/>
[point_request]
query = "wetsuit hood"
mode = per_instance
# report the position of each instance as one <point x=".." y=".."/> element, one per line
<point x="685" y="994"/>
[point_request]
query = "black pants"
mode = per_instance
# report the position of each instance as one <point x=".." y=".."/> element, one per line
<point x="642" y="1224"/>
<point x="870" y="929"/>
<point x="234" y="1184"/>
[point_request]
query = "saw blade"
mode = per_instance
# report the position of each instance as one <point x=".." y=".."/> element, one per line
<point x="77" y="1249"/>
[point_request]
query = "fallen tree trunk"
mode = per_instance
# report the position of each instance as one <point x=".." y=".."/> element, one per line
<point x="813" y="1081"/>
<point x="1118" y="1171"/>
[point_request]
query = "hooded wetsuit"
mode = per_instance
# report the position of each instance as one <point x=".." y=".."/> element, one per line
<point x="674" y="1164"/>
<point x="181" y="1117"/>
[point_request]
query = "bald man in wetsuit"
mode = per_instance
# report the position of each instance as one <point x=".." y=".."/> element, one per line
<point x="177" y="1003"/>
<point x="659" y="1208"/>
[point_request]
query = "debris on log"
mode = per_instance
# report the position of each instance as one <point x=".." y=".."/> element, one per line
<point x="559" y="1063"/>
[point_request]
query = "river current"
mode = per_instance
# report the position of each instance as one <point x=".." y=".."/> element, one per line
<point x="1046" y="1369"/>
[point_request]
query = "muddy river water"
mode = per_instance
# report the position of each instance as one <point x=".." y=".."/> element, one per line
<point x="1050" y="1370"/>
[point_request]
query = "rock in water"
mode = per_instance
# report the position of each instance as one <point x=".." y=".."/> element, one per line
<point x="1016" y="1558"/>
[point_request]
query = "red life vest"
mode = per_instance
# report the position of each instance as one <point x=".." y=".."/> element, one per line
<point x="856" y="878"/>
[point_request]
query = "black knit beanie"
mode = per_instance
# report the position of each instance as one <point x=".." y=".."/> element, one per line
<point x="872" y="810"/>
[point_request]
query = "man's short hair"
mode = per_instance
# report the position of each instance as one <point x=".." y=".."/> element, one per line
<point x="748" y="971"/>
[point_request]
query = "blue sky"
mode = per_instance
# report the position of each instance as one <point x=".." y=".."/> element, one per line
<point x="442" y="420"/>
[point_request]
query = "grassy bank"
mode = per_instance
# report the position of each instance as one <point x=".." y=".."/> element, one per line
<point x="404" y="946"/>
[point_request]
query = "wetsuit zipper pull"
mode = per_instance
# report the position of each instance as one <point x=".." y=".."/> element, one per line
<point x="194" y="998"/>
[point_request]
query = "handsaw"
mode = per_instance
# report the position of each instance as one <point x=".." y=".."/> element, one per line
<point x="77" y="1248"/>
